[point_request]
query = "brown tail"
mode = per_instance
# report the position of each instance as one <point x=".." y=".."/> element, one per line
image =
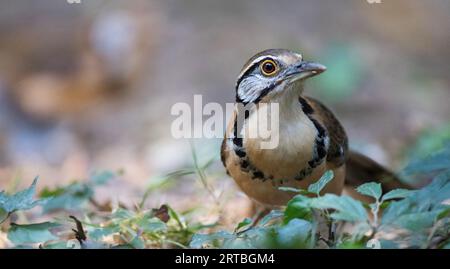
<point x="361" y="169"/>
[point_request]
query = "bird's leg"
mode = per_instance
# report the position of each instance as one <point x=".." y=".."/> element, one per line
<point x="331" y="231"/>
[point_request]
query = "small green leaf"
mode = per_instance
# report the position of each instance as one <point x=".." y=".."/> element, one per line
<point x="298" y="208"/>
<point x="31" y="233"/>
<point x="210" y="240"/>
<point x="22" y="200"/>
<point x="388" y="244"/>
<point x="246" y="222"/>
<point x="122" y="214"/>
<point x="445" y="212"/>
<point x="152" y="225"/>
<point x="347" y="208"/>
<point x="137" y="243"/>
<point x="273" y="215"/>
<point x="71" y="197"/>
<point x="371" y="189"/>
<point x="318" y="186"/>
<point x="416" y="222"/>
<point x="238" y="243"/>
<point x="174" y="215"/>
<point x="397" y="194"/>
<point x="297" y="233"/>
<point x="57" y="245"/>
<point x="430" y="164"/>
<point x="99" y="233"/>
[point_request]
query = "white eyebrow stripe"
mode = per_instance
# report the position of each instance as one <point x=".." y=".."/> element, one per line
<point x="255" y="61"/>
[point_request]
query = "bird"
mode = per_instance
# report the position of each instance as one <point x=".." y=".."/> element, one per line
<point x="311" y="140"/>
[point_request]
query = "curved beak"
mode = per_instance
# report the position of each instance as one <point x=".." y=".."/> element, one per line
<point x="304" y="70"/>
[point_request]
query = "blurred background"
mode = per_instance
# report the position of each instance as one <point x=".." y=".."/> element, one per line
<point x="89" y="86"/>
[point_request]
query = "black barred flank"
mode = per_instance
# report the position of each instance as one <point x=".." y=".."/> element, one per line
<point x="258" y="174"/>
<point x="244" y="164"/>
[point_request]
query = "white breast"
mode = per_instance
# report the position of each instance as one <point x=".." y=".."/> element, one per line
<point x="296" y="138"/>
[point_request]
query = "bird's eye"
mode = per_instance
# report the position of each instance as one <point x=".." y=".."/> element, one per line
<point x="268" y="67"/>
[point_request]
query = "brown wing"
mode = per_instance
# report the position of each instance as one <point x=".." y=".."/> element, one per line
<point x="361" y="169"/>
<point x="338" y="149"/>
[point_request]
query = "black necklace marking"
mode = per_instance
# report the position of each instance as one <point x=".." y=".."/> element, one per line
<point x="307" y="109"/>
<point x="320" y="144"/>
<point x="239" y="150"/>
<point x="319" y="154"/>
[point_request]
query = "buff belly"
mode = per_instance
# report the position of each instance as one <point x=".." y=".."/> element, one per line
<point x="267" y="192"/>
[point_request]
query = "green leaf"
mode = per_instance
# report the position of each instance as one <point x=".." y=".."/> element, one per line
<point x="99" y="233"/>
<point x="122" y="214"/>
<point x="3" y="215"/>
<point x="318" y="186"/>
<point x="431" y="140"/>
<point x="174" y="215"/>
<point x="57" y="245"/>
<point x="71" y="197"/>
<point x="388" y="244"/>
<point x="210" y="240"/>
<point x="246" y="222"/>
<point x="430" y="164"/>
<point x="31" y="233"/>
<point x="22" y="200"/>
<point x="416" y="222"/>
<point x="371" y="189"/>
<point x="347" y="208"/>
<point x="421" y="208"/>
<point x="152" y="225"/>
<point x="297" y="233"/>
<point x="273" y="215"/>
<point x="397" y="194"/>
<point x="298" y="208"/>
<point x="238" y="243"/>
<point x="137" y="243"/>
<point x="445" y="212"/>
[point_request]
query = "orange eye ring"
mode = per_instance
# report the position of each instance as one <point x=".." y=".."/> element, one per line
<point x="268" y="67"/>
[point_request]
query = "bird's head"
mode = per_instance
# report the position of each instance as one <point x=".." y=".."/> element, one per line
<point x="271" y="73"/>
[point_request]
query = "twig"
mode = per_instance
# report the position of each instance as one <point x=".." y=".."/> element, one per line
<point x="331" y="231"/>
<point x="326" y="241"/>
<point x="80" y="235"/>
<point x="7" y="216"/>
<point x="101" y="207"/>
